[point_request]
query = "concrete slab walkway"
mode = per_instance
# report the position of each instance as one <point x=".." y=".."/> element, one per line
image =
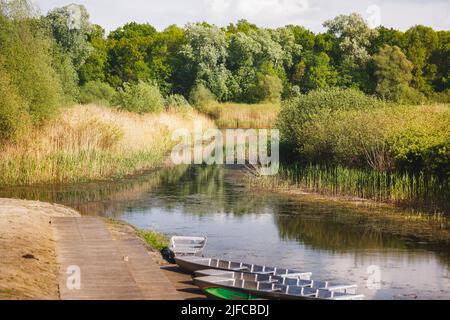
<point x="117" y="269"/>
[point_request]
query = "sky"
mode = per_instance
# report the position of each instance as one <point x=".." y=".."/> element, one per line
<point x="399" y="14"/>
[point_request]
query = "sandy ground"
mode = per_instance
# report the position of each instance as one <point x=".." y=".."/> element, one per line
<point x="28" y="268"/>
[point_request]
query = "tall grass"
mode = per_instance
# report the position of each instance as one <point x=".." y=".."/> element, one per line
<point x="418" y="190"/>
<point x="92" y="143"/>
<point x="245" y="116"/>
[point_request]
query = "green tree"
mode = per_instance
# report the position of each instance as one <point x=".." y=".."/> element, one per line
<point x="419" y="43"/>
<point x="353" y="34"/>
<point x="95" y="65"/>
<point x="393" y="72"/>
<point x="353" y="40"/>
<point x="163" y="58"/>
<point x="206" y="53"/>
<point x="25" y="51"/>
<point x="70" y="27"/>
<point x="314" y="72"/>
<point x="128" y="47"/>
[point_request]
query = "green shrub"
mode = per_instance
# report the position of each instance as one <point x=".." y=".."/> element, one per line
<point x="14" y="119"/>
<point x="97" y="92"/>
<point x="177" y="102"/>
<point x="26" y="50"/>
<point x="269" y="88"/>
<point x="300" y="111"/>
<point x="141" y="97"/>
<point x="201" y="97"/>
<point x="421" y="142"/>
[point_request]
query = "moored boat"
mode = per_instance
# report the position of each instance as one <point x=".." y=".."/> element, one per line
<point x="283" y="280"/>
<point x="246" y="289"/>
<point x="192" y="264"/>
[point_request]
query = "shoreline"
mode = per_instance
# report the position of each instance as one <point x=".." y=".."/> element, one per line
<point x="29" y="268"/>
<point x="345" y="200"/>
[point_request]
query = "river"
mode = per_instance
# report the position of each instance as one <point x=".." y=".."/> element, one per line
<point x="387" y="257"/>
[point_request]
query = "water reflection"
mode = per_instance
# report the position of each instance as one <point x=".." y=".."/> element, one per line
<point x="335" y="242"/>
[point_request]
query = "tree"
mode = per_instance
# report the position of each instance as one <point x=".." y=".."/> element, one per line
<point x="353" y="35"/>
<point x="393" y="72"/>
<point x="94" y="67"/>
<point x="128" y="47"/>
<point x="353" y="40"/>
<point x="440" y="58"/>
<point x="163" y="58"/>
<point x="388" y="36"/>
<point x="419" y="43"/>
<point x="314" y="72"/>
<point x="269" y="88"/>
<point x="70" y="27"/>
<point x="25" y="54"/>
<point x="206" y="54"/>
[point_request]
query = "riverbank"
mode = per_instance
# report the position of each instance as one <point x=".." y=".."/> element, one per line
<point x="414" y="193"/>
<point x="37" y="240"/>
<point x="90" y="142"/>
<point x="28" y="268"/>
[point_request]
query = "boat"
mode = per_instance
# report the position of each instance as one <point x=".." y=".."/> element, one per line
<point x="192" y="263"/>
<point x="239" y="289"/>
<point x="283" y="280"/>
<point x="183" y="246"/>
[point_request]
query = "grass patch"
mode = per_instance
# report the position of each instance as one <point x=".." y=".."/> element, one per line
<point x="153" y="238"/>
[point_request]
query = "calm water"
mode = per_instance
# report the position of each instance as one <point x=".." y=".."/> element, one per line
<point x="343" y="244"/>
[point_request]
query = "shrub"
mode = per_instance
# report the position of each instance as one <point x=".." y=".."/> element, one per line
<point x="420" y="140"/>
<point x="141" y="97"/>
<point x="26" y="52"/>
<point x="270" y="88"/>
<point x="201" y="97"/>
<point x="14" y="119"/>
<point x="177" y="102"/>
<point x="300" y="111"/>
<point x="97" y="92"/>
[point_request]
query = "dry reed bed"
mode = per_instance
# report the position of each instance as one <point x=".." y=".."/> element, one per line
<point x="92" y="143"/>
<point x="245" y="116"/>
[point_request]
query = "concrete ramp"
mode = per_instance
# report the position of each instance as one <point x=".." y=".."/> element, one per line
<point x="94" y="266"/>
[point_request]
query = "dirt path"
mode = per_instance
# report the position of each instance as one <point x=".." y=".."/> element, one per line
<point x="28" y="268"/>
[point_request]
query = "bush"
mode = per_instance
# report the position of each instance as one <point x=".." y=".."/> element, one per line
<point x="420" y="140"/>
<point x="97" y="92"/>
<point x="269" y="88"/>
<point x="26" y="52"/>
<point x="300" y="111"/>
<point x="141" y="97"/>
<point x="177" y="102"/>
<point x="201" y="97"/>
<point x="14" y="119"/>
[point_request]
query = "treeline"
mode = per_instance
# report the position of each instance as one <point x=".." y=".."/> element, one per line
<point x="52" y="60"/>
<point x="244" y="63"/>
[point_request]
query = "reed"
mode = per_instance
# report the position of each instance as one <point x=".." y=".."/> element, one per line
<point x="92" y="143"/>
<point x="245" y="116"/>
<point x="416" y="190"/>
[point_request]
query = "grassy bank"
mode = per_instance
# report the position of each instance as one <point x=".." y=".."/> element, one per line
<point x="153" y="238"/>
<point x="419" y="191"/>
<point x="92" y="143"/>
<point x="240" y="115"/>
